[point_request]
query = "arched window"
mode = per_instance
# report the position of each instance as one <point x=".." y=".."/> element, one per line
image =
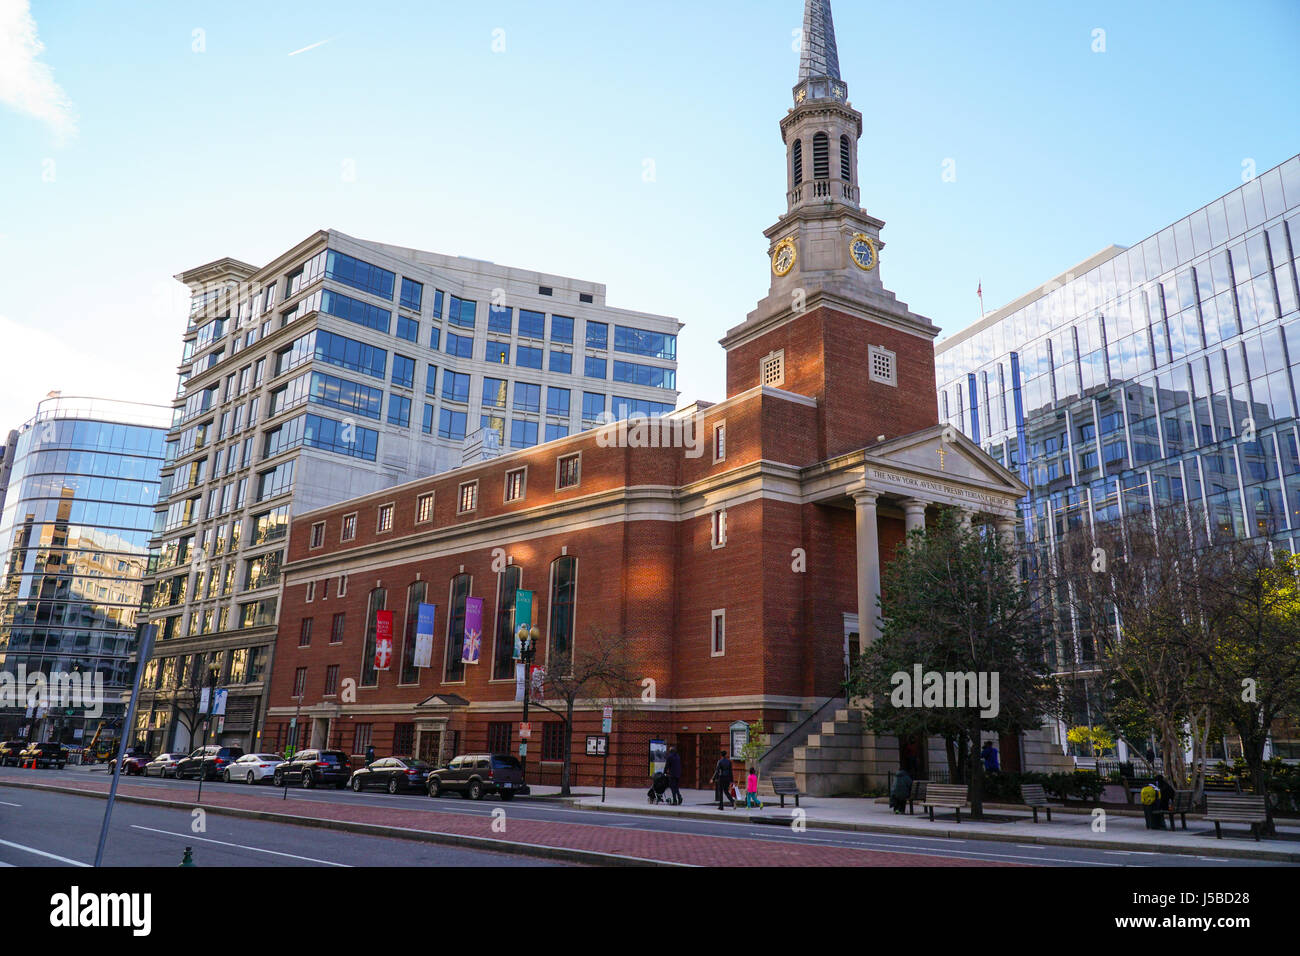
<point x="821" y="156"/>
<point x="503" y="658"/>
<point x="415" y="595"/>
<point x="798" y="162"/>
<point x="455" y="668"/>
<point x="564" y="586"/>
<point x="378" y="601"/>
<point x="846" y="160"/>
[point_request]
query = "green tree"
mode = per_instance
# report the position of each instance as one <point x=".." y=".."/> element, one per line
<point x="953" y="603"/>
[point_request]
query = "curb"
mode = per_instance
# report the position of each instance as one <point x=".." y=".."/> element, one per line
<point x="567" y="854"/>
<point x="1231" y="853"/>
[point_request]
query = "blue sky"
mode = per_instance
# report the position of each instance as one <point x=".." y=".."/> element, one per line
<point x="128" y="155"/>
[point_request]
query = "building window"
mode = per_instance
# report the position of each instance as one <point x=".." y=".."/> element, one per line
<point x="385" y="518"/>
<point x="553" y="740"/>
<point x="343" y="584"/>
<point x="498" y="737"/>
<point x="404" y="740"/>
<point x="311" y="591"/>
<point x="821" y="156"/>
<point x="718" y="533"/>
<point x="349" y="529"/>
<point x="331" y="680"/>
<point x="363" y="738"/>
<point x="846" y="160"/>
<point x="568" y="471"/>
<point x="336" y="628"/>
<point x="503" y="658"/>
<point x="564" y="587"/>
<point x="468" y="500"/>
<point x="771" y="370"/>
<point x="719" y="640"/>
<point x="798" y="162"/>
<point x="424" y="508"/>
<point x="597" y="335"/>
<point x="515" y="481"/>
<point x="455" y="667"/>
<point x="378" y="601"/>
<point x="318" y="534"/>
<point x="415" y="596"/>
<point x="300" y="682"/>
<point x="304" y="632"/>
<point x="882" y="365"/>
<point x="719" y="442"/>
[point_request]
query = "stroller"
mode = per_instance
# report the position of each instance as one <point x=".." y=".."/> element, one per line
<point x="657" y="788"/>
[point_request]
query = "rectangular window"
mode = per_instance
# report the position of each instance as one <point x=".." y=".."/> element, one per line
<point x="718" y="531"/>
<point x="468" y="499"/>
<point x="568" y="471"/>
<point x="435" y="338"/>
<point x="331" y="680"/>
<point x="356" y="311"/>
<point x="553" y="740"/>
<point x="461" y="312"/>
<point x="431" y="381"/>
<point x="428" y="419"/>
<point x="399" y="410"/>
<point x="363" y="738"/>
<point x="523" y="434"/>
<point x="451" y="425"/>
<point x="494" y="393"/>
<point x="593" y="406"/>
<point x="555" y="432"/>
<point x="300" y="682"/>
<point x="501" y="319"/>
<point x="404" y="371"/>
<point x="424" y="508"/>
<point x="349" y="527"/>
<point x="359" y="274"/>
<point x="408" y="328"/>
<point x="557" y="401"/>
<point x="562" y="329"/>
<point x="528" y="397"/>
<point x="311" y="591"/>
<point x="597" y="335"/>
<point x="336" y="627"/>
<point x="527" y="357"/>
<point x="460" y="345"/>
<point x="561" y="362"/>
<point x="515" y="481"/>
<point x="595" y="367"/>
<point x="719" y="442"/>
<point x="650" y="376"/>
<point x="642" y="342"/>
<point x="304" y="632"/>
<point x="412" y="294"/>
<point x="719" y="639"/>
<point x="385" y="518"/>
<point x="532" y="324"/>
<point x="498" y="737"/>
<point x="455" y="386"/>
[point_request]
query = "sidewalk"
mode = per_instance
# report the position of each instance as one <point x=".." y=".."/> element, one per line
<point x="1125" y="831"/>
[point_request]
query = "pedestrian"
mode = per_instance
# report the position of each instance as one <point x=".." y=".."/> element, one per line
<point x="990" y="756"/>
<point x="673" y="768"/>
<point x="722" y="780"/>
<point x="1150" y="755"/>
<point x="370" y="755"/>
<point x="751" y="789"/>
<point x="902" y="791"/>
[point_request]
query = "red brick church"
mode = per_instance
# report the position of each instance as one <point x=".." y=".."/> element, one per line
<point x="745" y="569"/>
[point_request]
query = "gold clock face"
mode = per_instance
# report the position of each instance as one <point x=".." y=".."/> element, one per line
<point x="783" y="257"/>
<point x="863" y="250"/>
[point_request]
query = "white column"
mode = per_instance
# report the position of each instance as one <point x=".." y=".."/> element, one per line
<point x="868" y="540"/>
<point x="1007" y="532"/>
<point x="966" y="515"/>
<point x="915" y="511"/>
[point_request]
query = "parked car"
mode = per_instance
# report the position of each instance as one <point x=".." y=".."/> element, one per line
<point x="253" y="768"/>
<point x="10" y="751"/>
<point x="311" y="768"/>
<point x="46" y="754"/>
<point x="134" y="762"/>
<point x="476" y="775"/>
<point x="163" y="765"/>
<point x="394" y="774"/>
<point x="211" y="761"/>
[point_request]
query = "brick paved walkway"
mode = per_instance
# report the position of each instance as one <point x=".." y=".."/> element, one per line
<point x="622" y="840"/>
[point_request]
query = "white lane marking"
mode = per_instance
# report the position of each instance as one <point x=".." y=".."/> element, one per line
<point x="50" y="856"/>
<point x="974" y="854"/>
<point x="3" y="863"/>
<point x="240" y="846"/>
<point x="8" y="804"/>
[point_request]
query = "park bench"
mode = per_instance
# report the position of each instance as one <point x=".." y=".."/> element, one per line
<point x="917" y="794"/>
<point x="785" y="786"/>
<point x="944" y="795"/>
<point x="1230" y="808"/>
<point x="1181" y="806"/>
<point x="1135" y="785"/>
<point x="1035" y="798"/>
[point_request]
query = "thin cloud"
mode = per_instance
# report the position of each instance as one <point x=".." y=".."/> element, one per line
<point x="311" y="47"/>
<point x="26" y="84"/>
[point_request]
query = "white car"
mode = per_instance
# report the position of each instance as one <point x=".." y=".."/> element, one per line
<point x="253" y="768"/>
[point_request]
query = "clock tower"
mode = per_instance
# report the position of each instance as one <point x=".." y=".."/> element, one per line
<point x="828" y="328"/>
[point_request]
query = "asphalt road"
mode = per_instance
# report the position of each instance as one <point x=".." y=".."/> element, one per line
<point x="524" y="808"/>
<point x="56" y="829"/>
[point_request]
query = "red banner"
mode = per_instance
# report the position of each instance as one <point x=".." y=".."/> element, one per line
<point x="383" y="640"/>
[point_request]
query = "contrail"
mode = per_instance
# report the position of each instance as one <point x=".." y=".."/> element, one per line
<point x="312" y="47"/>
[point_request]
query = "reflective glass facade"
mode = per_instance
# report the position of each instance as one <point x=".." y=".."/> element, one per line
<point x="75" y="536"/>
<point x="1162" y="374"/>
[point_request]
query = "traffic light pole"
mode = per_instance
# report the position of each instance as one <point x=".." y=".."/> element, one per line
<point x="143" y="647"/>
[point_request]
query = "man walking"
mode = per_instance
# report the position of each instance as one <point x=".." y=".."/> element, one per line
<point x="722" y="779"/>
<point x="673" y="769"/>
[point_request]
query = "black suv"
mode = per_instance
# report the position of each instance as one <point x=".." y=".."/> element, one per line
<point x="312" y="767"/>
<point x="9" y="751"/>
<point x="211" y="761"/>
<point x="48" y="754"/>
<point x="474" y="776"/>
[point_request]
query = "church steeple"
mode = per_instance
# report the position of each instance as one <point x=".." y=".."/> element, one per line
<point x="819" y="57"/>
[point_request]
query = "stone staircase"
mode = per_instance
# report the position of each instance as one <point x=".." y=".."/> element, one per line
<point x="836" y="758"/>
<point x="789" y="733"/>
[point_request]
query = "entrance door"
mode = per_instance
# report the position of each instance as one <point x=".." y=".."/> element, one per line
<point x="430" y="746"/>
<point x="320" y="727"/>
<point x="706" y="749"/>
<point x="686" y="750"/>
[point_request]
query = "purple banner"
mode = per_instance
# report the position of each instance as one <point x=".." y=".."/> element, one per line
<point x="473" y="630"/>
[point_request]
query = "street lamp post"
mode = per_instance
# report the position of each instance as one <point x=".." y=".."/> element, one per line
<point x="528" y="638"/>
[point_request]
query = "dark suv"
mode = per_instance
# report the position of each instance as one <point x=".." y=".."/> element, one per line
<point x="10" y="750"/>
<point x="476" y="775"/>
<point x="48" y="754"/>
<point x="312" y="767"/>
<point x="211" y="761"/>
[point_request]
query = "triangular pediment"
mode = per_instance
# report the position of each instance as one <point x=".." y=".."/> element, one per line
<point x="942" y="452"/>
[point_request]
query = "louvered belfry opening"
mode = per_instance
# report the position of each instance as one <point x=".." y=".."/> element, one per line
<point x="821" y="156"/>
<point x="846" y="160"/>
<point x="798" y="162"/>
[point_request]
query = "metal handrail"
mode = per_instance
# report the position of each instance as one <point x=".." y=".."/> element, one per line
<point x="763" y="760"/>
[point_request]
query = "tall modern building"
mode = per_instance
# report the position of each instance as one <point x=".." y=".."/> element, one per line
<point x="75" y="537"/>
<point x="1162" y="374"/>
<point x="340" y="368"/>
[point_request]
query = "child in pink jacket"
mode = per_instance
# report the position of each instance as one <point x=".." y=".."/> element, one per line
<point x="751" y="789"/>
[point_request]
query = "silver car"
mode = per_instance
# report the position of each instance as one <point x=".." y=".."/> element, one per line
<point x="253" y="768"/>
<point x="163" y="765"/>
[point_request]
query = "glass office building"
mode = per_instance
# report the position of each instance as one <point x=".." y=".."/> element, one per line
<point x="1164" y="373"/>
<point x="75" y="536"/>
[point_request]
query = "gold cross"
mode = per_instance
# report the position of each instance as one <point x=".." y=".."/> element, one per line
<point x="942" y="453"/>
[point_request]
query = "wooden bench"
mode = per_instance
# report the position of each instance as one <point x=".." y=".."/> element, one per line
<point x="785" y="786"/>
<point x="1181" y="806"/>
<point x="1229" y="808"/>
<point x="1034" y="797"/>
<point x="1135" y="785"/>
<point x="917" y="794"/>
<point x="944" y="795"/>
